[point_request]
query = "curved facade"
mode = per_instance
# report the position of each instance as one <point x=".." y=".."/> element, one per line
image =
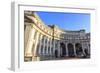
<point x="42" y="42"/>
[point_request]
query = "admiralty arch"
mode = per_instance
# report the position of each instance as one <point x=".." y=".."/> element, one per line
<point x="45" y="42"/>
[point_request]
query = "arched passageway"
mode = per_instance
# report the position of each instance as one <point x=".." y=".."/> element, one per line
<point x="70" y="50"/>
<point x="79" y="50"/>
<point x="63" y="48"/>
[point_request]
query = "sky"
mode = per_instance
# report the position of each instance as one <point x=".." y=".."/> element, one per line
<point x="66" y="21"/>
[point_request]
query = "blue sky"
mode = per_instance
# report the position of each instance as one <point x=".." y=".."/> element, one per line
<point x="66" y="21"/>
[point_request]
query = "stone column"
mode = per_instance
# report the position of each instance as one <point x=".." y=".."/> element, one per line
<point x="47" y="53"/>
<point x="40" y="45"/>
<point x="88" y="47"/>
<point x="66" y="50"/>
<point x="83" y="47"/>
<point x="61" y="50"/>
<point x="58" y="47"/>
<point x="74" y="50"/>
<point x="50" y="46"/>
<point x="35" y="47"/>
<point x="44" y="46"/>
<point x="29" y="40"/>
<point x="54" y="47"/>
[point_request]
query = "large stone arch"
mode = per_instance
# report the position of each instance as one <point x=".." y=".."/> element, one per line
<point x="63" y="48"/>
<point x="70" y="50"/>
<point x="79" y="50"/>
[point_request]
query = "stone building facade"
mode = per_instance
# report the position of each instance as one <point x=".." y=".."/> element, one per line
<point x="43" y="42"/>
